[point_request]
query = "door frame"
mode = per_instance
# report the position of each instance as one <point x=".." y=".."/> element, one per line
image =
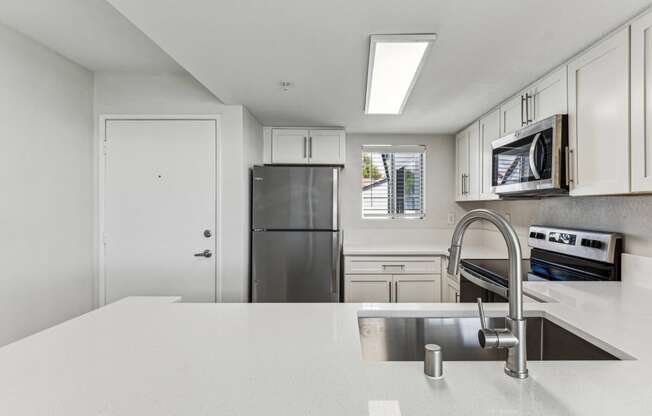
<point x="101" y="193"/>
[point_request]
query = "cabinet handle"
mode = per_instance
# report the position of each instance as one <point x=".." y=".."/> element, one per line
<point x="523" y="107"/>
<point x="310" y="147"/>
<point x="531" y="116"/>
<point x="457" y="297"/>
<point x="569" y="153"/>
<point x="396" y="292"/>
<point x="390" y="292"/>
<point x="528" y="120"/>
<point x="305" y="147"/>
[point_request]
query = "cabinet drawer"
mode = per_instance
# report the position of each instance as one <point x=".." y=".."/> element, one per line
<point x="392" y="265"/>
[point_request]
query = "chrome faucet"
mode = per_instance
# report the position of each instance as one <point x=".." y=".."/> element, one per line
<point x="513" y="337"/>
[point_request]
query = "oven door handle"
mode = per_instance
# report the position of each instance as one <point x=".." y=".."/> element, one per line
<point x="533" y="151"/>
<point x="492" y="287"/>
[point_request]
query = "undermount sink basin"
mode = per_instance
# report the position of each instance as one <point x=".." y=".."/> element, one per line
<point x="403" y="339"/>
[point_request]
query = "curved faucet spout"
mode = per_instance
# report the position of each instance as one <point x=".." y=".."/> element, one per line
<point x="513" y="337"/>
<point x="513" y="250"/>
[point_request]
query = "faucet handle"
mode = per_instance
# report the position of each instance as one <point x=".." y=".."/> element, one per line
<point x="481" y="310"/>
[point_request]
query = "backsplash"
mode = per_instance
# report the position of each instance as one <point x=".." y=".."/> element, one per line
<point x="630" y="215"/>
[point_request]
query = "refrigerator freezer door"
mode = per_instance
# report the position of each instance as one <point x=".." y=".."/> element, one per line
<point x="296" y="266"/>
<point x="295" y="198"/>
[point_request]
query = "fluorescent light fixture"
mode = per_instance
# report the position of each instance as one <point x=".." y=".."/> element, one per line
<point x="394" y="65"/>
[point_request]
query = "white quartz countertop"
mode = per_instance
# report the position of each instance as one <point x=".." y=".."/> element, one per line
<point x="139" y="357"/>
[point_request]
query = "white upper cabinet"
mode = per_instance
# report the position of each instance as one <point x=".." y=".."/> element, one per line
<point x="549" y="95"/>
<point x="489" y="131"/>
<point x="303" y="146"/>
<point x="641" y="105"/>
<point x="598" y="109"/>
<point x="326" y="147"/>
<point x="546" y="97"/>
<point x="290" y="146"/>
<point x="512" y="114"/>
<point x="467" y="163"/>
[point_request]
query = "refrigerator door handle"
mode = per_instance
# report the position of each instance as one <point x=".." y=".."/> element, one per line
<point x="336" y="198"/>
<point x="335" y="269"/>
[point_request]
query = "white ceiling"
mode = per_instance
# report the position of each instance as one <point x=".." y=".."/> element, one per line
<point x="485" y="51"/>
<point x="89" y="32"/>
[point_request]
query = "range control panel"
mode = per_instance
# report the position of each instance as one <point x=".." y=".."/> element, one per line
<point x="593" y="245"/>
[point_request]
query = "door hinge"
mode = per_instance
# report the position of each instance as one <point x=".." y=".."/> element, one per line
<point x="104" y="146"/>
<point x="104" y="238"/>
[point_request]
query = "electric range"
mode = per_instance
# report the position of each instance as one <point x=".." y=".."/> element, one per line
<point x="556" y="255"/>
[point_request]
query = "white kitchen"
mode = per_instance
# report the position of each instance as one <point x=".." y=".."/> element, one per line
<point x="325" y="208"/>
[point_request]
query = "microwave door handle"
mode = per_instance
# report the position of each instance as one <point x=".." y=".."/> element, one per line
<point x="533" y="161"/>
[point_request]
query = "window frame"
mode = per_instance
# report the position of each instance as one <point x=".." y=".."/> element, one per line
<point x="392" y="148"/>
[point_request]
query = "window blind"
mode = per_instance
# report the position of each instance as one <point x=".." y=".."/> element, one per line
<point x="393" y="181"/>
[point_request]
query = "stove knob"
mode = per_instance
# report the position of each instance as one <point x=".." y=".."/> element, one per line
<point x="596" y="244"/>
<point x="533" y="235"/>
<point x="586" y="242"/>
<point x="541" y="236"/>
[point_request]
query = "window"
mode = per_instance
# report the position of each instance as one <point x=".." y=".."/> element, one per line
<point x="393" y="181"/>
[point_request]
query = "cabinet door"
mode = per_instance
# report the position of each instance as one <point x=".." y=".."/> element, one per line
<point x="511" y="115"/>
<point x="290" y="146"/>
<point x="550" y="95"/>
<point x="417" y="288"/>
<point x="452" y="293"/>
<point x="641" y="61"/>
<point x="598" y="110"/>
<point x="473" y="181"/>
<point x="368" y="289"/>
<point x="489" y="131"/>
<point x="326" y="147"/>
<point x="461" y="164"/>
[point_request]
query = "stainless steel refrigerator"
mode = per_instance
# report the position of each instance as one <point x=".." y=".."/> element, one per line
<point x="296" y="239"/>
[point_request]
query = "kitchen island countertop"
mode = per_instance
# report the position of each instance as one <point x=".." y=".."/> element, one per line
<point x="139" y="357"/>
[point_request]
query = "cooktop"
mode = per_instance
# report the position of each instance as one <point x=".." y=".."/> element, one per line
<point x="496" y="269"/>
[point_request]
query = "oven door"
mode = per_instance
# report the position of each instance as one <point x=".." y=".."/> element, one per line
<point x="531" y="159"/>
<point x="473" y="287"/>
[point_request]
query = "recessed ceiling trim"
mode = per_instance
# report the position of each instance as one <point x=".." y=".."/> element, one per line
<point x="416" y="39"/>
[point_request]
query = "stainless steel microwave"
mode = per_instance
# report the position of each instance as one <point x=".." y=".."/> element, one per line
<point x="533" y="160"/>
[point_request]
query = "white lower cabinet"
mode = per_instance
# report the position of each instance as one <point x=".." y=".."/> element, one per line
<point x="368" y="288"/>
<point x="452" y="292"/>
<point x="417" y="288"/>
<point x="392" y="279"/>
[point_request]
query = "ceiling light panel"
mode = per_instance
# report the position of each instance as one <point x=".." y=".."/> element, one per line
<point x="394" y="65"/>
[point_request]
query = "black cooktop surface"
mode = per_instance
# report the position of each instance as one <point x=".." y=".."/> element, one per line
<point x="494" y="269"/>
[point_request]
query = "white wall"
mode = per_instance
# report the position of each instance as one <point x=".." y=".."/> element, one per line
<point x="253" y="154"/>
<point x="440" y="191"/>
<point x="179" y="93"/>
<point x="46" y="172"/>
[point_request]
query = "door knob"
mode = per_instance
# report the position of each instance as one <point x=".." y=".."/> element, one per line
<point x="205" y="253"/>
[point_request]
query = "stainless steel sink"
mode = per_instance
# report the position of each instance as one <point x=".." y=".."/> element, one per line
<point x="403" y="339"/>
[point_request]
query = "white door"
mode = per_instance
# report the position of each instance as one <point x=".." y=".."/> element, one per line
<point x="368" y="288"/>
<point x="511" y="115"/>
<point x="598" y="111"/>
<point x="550" y="95"/>
<point x="418" y="288"/>
<point x="489" y="131"/>
<point x="641" y="104"/>
<point x="160" y="209"/>
<point x="290" y="146"/>
<point x="326" y="147"/>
